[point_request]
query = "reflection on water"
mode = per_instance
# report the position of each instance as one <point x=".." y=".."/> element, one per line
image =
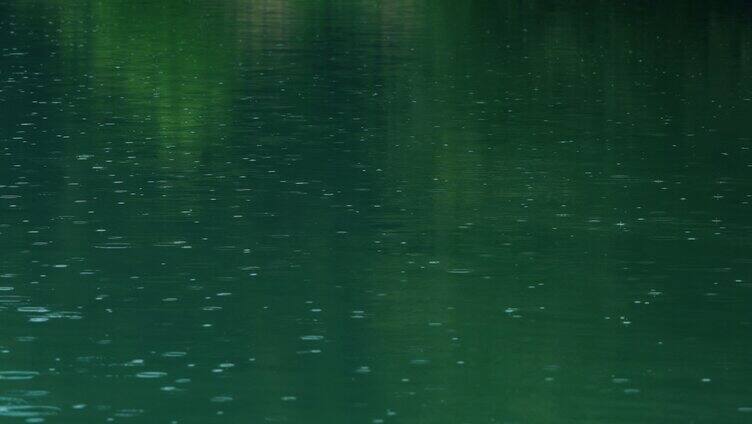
<point x="288" y="211"/>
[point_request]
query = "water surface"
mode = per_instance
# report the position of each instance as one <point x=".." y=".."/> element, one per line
<point x="392" y="212"/>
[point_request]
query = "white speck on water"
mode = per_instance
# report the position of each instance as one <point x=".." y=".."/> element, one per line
<point x="151" y="374"/>
<point x="312" y="337"/>
<point x="18" y="375"/>
<point x="28" y="411"/>
<point x="33" y="309"/>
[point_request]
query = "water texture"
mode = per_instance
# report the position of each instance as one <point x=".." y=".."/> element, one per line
<point x="404" y="211"/>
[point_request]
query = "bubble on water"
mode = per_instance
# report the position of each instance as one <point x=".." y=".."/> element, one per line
<point x="129" y="413"/>
<point x="174" y="354"/>
<point x="312" y="337"/>
<point x="33" y="309"/>
<point x="10" y="400"/>
<point x="112" y="245"/>
<point x="64" y="315"/>
<point x="221" y="399"/>
<point x="18" y="375"/>
<point x="27" y="411"/>
<point x="211" y="308"/>
<point x="151" y="374"/>
<point x="9" y="299"/>
<point x="28" y="393"/>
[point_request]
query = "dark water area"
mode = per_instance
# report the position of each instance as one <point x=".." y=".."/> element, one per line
<point x="375" y="212"/>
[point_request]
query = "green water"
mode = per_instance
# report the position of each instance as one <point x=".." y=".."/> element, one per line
<point x="363" y="212"/>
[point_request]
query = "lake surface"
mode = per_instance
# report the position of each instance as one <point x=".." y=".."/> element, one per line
<point x="375" y="212"/>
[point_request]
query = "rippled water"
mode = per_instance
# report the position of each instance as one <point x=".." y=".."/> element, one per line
<point x="375" y="212"/>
